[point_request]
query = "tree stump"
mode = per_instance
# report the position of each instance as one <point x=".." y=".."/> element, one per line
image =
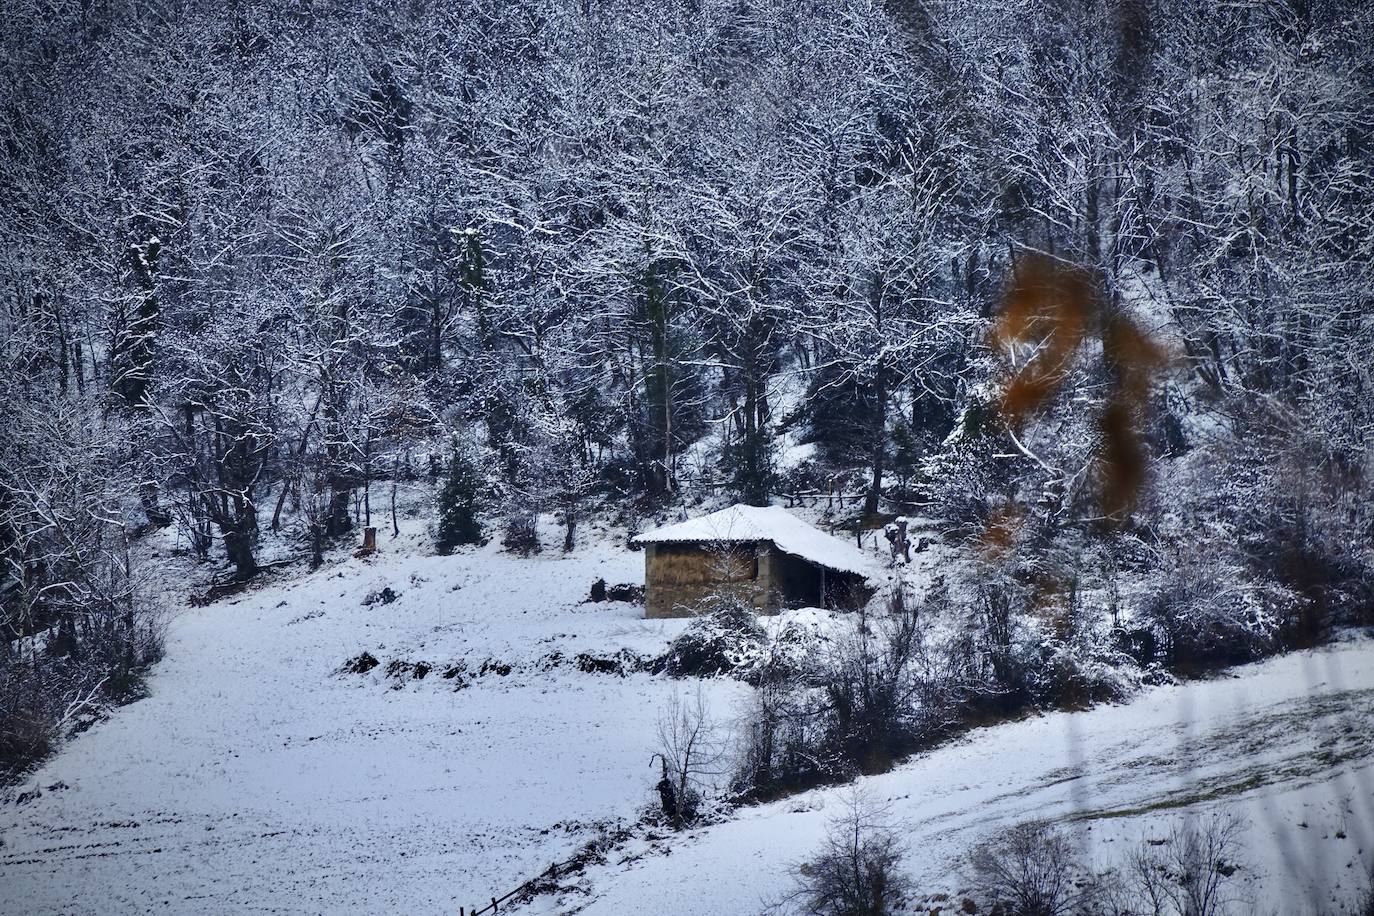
<point x="369" y="542"/>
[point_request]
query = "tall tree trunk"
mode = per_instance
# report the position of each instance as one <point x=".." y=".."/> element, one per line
<point x="158" y="517"/>
<point x="238" y="544"/>
<point x="879" y="430"/>
<point x="658" y="388"/>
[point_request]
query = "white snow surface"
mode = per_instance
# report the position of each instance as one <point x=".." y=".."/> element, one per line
<point x="257" y="777"/>
<point x="741" y="523"/>
<point x="1285" y="744"/>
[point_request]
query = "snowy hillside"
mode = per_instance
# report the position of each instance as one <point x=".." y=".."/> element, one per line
<point x="1286" y="744"/>
<point x="258" y="776"/>
<point x="371" y="371"/>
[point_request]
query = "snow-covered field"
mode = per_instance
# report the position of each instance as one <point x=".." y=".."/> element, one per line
<point x="258" y="777"/>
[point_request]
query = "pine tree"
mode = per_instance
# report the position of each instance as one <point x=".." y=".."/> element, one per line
<point x="905" y="452"/>
<point x="749" y="462"/>
<point x="460" y="502"/>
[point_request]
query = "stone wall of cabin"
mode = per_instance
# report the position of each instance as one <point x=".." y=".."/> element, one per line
<point x="679" y="578"/>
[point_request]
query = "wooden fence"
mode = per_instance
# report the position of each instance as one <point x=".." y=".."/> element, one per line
<point x="528" y="887"/>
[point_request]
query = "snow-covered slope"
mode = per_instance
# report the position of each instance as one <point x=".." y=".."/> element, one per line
<point x="1286" y="743"/>
<point x="256" y="777"/>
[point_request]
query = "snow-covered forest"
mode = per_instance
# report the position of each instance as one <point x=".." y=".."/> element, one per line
<point x="1083" y="289"/>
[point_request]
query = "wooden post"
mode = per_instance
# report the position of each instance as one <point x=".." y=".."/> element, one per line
<point x="370" y="538"/>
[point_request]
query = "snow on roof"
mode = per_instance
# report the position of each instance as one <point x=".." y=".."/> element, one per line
<point x="788" y="533"/>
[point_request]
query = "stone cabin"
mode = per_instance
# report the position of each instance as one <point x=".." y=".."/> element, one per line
<point x="765" y="556"/>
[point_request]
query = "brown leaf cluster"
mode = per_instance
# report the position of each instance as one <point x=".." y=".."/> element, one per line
<point x="1056" y="307"/>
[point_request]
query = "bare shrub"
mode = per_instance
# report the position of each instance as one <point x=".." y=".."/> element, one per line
<point x="28" y="717"/>
<point x="874" y="697"/>
<point x="782" y="741"/>
<point x="691" y="755"/>
<point x="858" y="869"/>
<point x="47" y="692"/>
<point x="1189" y="874"/>
<point x="1032" y="871"/>
<point x="872" y="688"/>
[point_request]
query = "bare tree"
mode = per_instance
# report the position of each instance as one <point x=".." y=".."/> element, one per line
<point x="1189" y="874"/>
<point x="692" y="756"/>
<point x="858" y="869"/>
<point x="1033" y="871"/>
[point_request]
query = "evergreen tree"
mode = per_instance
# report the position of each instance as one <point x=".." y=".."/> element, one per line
<point x="749" y="463"/>
<point x="460" y="502"/>
<point x="906" y="455"/>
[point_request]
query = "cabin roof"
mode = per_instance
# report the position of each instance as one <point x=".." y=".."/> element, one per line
<point x="743" y="524"/>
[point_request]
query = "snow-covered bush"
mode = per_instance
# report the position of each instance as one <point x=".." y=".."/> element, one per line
<point x="1073" y="673"/>
<point x="727" y="639"/>
<point x="797" y="646"/>
<point x="1260" y="547"/>
<point x="1214" y="610"/>
<point x="1074" y="657"/>
<point x="520" y="532"/>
